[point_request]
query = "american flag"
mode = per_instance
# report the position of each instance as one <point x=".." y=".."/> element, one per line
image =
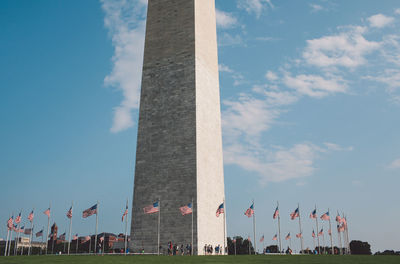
<point x="28" y="231"/>
<point x="151" y="209"/>
<point x="341" y="228"/>
<point x="69" y="213"/>
<point x="47" y="212"/>
<point x="313" y="233"/>
<point x="250" y="211"/>
<point x="18" y="219"/>
<point x="275" y="237"/>
<point x="299" y="235"/>
<point x="276" y="213"/>
<point x="220" y="210"/>
<point x="21" y="230"/>
<point x="125" y="213"/>
<point x="329" y="231"/>
<point x="325" y="216"/>
<point x="262" y="239"/>
<point x="295" y="214"/>
<point x="87" y="238"/>
<point x="313" y="214"/>
<point x="75" y="237"/>
<point x="30" y="217"/>
<point x="40" y="233"/>
<point x="10" y="223"/>
<point x="288" y="236"/>
<point x="344" y="222"/>
<point x="14" y="227"/>
<point x="321" y="232"/>
<point x="101" y="239"/>
<point x="187" y="209"/>
<point x="90" y="211"/>
<point x="338" y="218"/>
<point x="62" y="237"/>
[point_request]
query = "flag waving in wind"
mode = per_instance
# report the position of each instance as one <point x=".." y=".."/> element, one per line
<point x="151" y="209"/>
<point x="299" y="235"/>
<point x="47" y="212"/>
<point x="69" y="213"/>
<point x="220" y="210"/>
<point x="338" y="218"/>
<point x="10" y="223"/>
<point x="18" y="219"/>
<point x="30" y="216"/>
<point x="288" y="236"/>
<point x="187" y="209"/>
<point x="90" y="211"/>
<point x="313" y="214"/>
<point x="321" y="232"/>
<point x="295" y="214"/>
<point x="40" y="233"/>
<point x="276" y="213"/>
<point x="313" y="233"/>
<point x="262" y="239"/>
<point x="125" y="213"/>
<point x="250" y="211"/>
<point x="325" y="216"/>
<point x="275" y="237"/>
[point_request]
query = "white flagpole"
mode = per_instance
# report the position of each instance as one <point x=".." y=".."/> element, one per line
<point x="126" y="227"/>
<point x="95" y="237"/>
<point x="279" y="229"/>
<point x="48" y="226"/>
<point x="235" y="245"/>
<point x="316" y="222"/>
<point x="9" y="245"/>
<point x="77" y="244"/>
<point x="70" y="227"/>
<point x="30" y="239"/>
<point x="159" y="222"/>
<point x="330" y="235"/>
<point x="17" y="235"/>
<point x="225" y="253"/>
<point x="301" y="232"/>
<point x="347" y="237"/>
<point x="191" y="245"/>
<point x="313" y="241"/>
<point x="8" y="235"/>
<point x="90" y="244"/>
<point x="42" y="241"/>
<point x="254" y="228"/>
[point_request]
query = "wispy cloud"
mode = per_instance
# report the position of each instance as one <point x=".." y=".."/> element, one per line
<point x="225" y="19"/>
<point x="395" y="164"/>
<point x="126" y="25"/>
<point x="255" y="6"/>
<point x="397" y="11"/>
<point x="380" y="20"/>
<point x="226" y="39"/>
<point x="346" y="49"/>
<point x="316" y="8"/>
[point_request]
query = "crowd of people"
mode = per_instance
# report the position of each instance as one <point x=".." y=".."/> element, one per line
<point x="174" y="249"/>
<point x="209" y="250"/>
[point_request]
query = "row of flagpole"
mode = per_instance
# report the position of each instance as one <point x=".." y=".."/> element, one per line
<point x="341" y="227"/>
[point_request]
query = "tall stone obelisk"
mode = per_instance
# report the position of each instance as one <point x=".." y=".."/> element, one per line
<point x="179" y="145"/>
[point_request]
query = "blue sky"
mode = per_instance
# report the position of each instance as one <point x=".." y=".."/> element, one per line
<point x="310" y="94"/>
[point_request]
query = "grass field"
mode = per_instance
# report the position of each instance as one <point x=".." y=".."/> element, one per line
<point x="200" y="259"/>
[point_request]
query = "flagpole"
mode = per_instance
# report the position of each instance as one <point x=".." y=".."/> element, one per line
<point x="95" y="237"/>
<point x="254" y="228"/>
<point x="301" y="232"/>
<point x="42" y="241"/>
<point x="9" y="244"/>
<point x="248" y="240"/>
<point x="330" y="235"/>
<point x="159" y="222"/>
<point x="316" y="222"/>
<point x="30" y="239"/>
<point x="279" y="230"/>
<point x="235" y="245"/>
<point x="70" y="227"/>
<point x="77" y="244"/>
<point x="347" y="236"/>
<point x="8" y="235"/>
<point x="17" y="235"/>
<point x="191" y="245"/>
<point x="313" y="241"/>
<point x="225" y="253"/>
<point x="90" y="244"/>
<point x="48" y="226"/>
<point x="126" y="227"/>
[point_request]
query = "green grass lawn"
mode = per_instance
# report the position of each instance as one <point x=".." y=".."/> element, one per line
<point x="200" y="259"/>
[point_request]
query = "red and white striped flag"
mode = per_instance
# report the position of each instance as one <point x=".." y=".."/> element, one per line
<point x="250" y="211"/>
<point x="69" y="213"/>
<point x="220" y="210"/>
<point x="75" y="237"/>
<point x="329" y="232"/>
<point x="262" y="239"/>
<point x="299" y="235"/>
<point x="90" y="211"/>
<point x="295" y="214"/>
<point x="313" y="233"/>
<point x="101" y="239"/>
<point x="338" y="219"/>
<point x="276" y="213"/>
<point x="321" y="232"/>
<point x="325" y="216"/>
<point x="125" y="213"/>
<point x="87" y="238"/>
<point x="187" y="209"/>
<point x="275" y="237"/>
<point x="151" y="209"/>
<point x="18" y="219"/>
<point x="287" y="237"/>
<point x="30" y="217"/>
<point x="47" y="212"/>
<point x="10" y="223"/>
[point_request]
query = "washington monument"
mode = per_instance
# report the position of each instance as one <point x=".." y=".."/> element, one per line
<point x="179" y="144"/>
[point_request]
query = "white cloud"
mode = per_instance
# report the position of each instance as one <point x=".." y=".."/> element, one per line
<point x="395" y="164"/>
<point x="224" y="19"/>
<point x="255" y="6"/>
<point x="271" y="76"/>
<point x="316" y="8"/>
<point x="267" y="39"/>
<point x="224" y="68"/>
<point x="336" y="147"/>
<point x="315" y="85"/>
<point x="390" y="77"/>
<point x="347" y="49"/>
<point x="397" y="11"/>
<point x="226" y="39"/>
<point x="127" y="33"/>
<point x="380" y="20"/>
